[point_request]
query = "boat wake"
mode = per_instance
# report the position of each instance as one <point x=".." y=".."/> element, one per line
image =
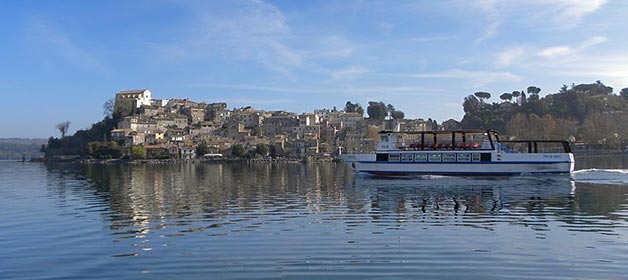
<point x="602" y="176"/>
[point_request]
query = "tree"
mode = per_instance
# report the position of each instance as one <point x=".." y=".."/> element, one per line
<point x="237" y="150"/>
<point x="389" y="109"/>
<point x="532" y="90"/>
<point x="138" y="152"/>
<point x="63" y="127"/>
<point x="272" y="151"/>
<point x="376" y="110"/>
<point x="516" y="95"/>
<point x="482" y="95"/>
<point x="624" y="93"/>
<point x="108" y="107"/>
<point x="106" y="150"/>
<point x="471" y="104"/>
<point x="563" y="89"/>
<point x="354" y="108"/>
<point x="506" y="96"/>
<point x="397" y="115"/>
<point x="202" y="149"/>
<point x="261" y="149"/>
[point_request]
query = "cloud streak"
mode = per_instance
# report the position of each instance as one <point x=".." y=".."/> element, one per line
<point x="564" y="50"/>
<point x="350" y="72"/>
<point x="475" y="78"/>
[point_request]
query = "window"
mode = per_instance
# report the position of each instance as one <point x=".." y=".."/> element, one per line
<point x="383" y="138"/>
<point x="381" y="157"/>
<point x="449" y="157"/>
<point x="465" y="157"/>
<point x="420" y="157"/>
<point x="393" y="157"/>
<point x="407" y="157"/>
<point x="435" y="157"/>
<point x="476" y="157"/>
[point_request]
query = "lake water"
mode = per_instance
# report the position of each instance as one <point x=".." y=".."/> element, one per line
<point x="308" y="221"/>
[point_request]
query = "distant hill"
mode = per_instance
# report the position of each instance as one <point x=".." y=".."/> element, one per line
<point x="14" y="148"/>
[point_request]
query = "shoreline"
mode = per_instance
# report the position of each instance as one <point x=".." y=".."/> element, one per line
<point x="179" y="161"/>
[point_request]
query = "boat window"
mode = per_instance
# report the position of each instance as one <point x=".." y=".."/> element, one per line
<point x="381" y="157"/>
<point x="464" y="157"/>
<point x="383" y="138"/>
<point x="485" y="157"/>
<point x="420" y="157"/>
<point x="435" y="157"/>
<point x="393" y="157"/>
<point x="407" y="157"/>
<point x="449" y="157"/>
<point x="476" y="157"/>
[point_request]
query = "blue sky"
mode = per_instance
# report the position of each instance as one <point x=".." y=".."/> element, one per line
<point x="61" y="60"/>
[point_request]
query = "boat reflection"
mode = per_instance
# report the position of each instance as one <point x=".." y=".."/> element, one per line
<point x="222" y="198"/>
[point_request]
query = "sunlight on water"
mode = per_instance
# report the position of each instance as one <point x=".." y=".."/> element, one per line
<point x="602" y="176"/>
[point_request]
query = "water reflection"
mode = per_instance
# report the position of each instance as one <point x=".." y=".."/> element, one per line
<point x="221" y="198"/>
<point x="263" y="221"/>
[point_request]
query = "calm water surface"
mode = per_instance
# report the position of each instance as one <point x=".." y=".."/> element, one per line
<point x="312" y="221"/>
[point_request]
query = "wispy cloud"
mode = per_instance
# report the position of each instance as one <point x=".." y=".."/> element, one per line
<point x="611" y="68"/>
<point x="476" y="78"/>
<point x="571" y="12"/>
<point x="510" y="56"/>
<point x="349" y="72"/>
<point x="565" y="50"/>
<point x="563" y="14"/>
<point x="250" y="30"/>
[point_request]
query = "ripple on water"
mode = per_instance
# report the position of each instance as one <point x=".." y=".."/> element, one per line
<point x="236" y="221"/>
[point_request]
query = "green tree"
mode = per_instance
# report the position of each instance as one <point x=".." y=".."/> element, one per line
<point x="237" y="150"/>
<point x="138" y="152"/>
<point x="261" y="149"/>
<point x="471" y="104"/>
<point x="104" y="150"/>
<point x="532" y="90"/>
<point x="482" y="95"/>
<point x="506" y="96"/>
<point x="354" y="108"/>
<point x="397" y="115"/>
<point x="376" y="110"/>
<point x="624" y="93"/>
<point x="516" y="94"/>
<point x="202" y="149"/>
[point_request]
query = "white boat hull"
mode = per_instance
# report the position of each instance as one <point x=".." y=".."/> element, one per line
<point x="501" y="164"/>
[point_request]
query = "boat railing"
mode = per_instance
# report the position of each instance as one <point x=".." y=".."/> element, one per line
<point x="443" y="146"/>
<point x="535" y="146"/>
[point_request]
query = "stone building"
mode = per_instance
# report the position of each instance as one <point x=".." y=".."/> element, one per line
<point x="129" y="101"/>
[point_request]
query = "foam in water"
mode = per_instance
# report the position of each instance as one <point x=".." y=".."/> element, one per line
<point x="601" y="176"/>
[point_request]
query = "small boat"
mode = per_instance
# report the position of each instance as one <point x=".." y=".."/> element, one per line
<point x="461" y="153"/>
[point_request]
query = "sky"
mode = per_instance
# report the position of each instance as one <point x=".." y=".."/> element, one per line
<point x="61" y="60"/>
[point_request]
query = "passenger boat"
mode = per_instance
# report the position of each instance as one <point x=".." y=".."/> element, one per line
<point x="461" y="153"/>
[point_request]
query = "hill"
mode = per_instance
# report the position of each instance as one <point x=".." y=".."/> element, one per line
<point x="14" y="148"/>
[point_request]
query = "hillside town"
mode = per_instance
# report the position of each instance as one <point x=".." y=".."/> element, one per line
<point x="175" y="128"/>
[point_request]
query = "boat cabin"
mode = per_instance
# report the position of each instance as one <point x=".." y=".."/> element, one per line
<point x="457" y="146"/>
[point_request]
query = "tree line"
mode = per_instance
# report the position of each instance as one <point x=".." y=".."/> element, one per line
<point x="589" y="113"/>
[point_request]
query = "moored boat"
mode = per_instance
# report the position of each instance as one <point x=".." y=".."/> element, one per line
<point x="461" y="153"/>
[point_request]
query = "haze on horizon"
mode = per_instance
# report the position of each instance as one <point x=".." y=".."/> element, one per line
<point x="62" y="60"/>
